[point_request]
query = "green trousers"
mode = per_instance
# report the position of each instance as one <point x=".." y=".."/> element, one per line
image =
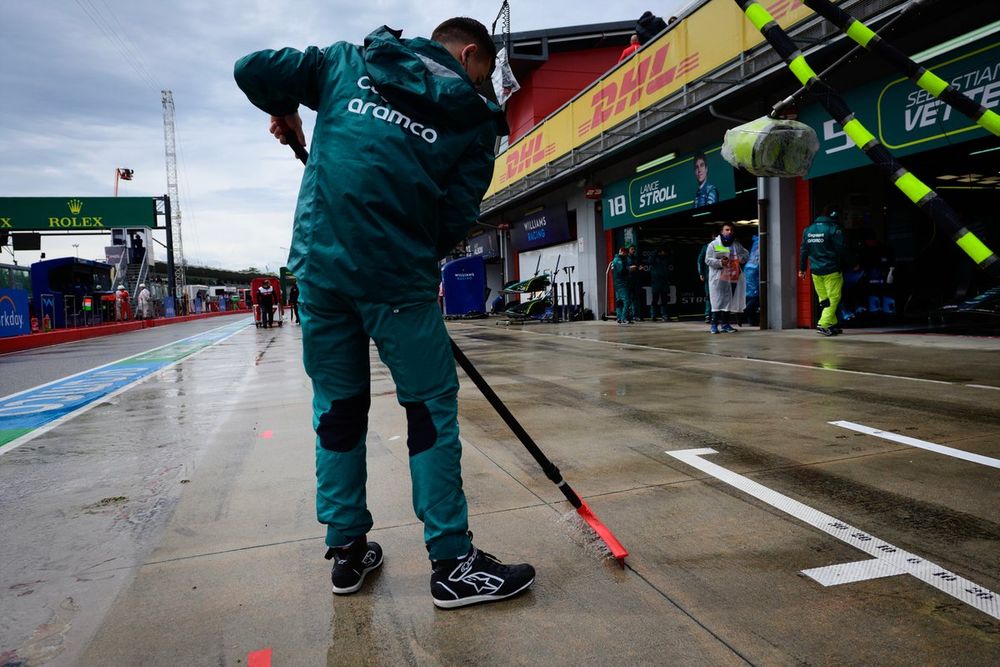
<point x="624" y="307"/>
<point x="829" y="288"/>
<point x="412" y="341"/>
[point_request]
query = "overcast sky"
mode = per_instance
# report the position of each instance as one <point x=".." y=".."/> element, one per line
<point x="80" y="85"/>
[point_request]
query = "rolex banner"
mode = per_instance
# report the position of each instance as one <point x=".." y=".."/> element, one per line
<point x="72" y="213"/>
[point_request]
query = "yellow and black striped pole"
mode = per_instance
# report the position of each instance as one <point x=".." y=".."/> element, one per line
<point x="923" y="77"/>
<point x="915" y="190"/>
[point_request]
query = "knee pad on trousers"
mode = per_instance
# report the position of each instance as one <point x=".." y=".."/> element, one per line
<point x="343" y="425"/>
<point x="825" y="303"/>
<point x="420" y="432"/>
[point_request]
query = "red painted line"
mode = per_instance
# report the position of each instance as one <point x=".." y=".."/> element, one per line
<point x="261" y="658"/>
<point x="267" y="435"/>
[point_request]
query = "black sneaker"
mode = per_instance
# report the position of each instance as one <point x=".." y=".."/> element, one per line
<point x="823" y="331"/>
<point x="352" y="563"/>
<point x="479" y="577"/>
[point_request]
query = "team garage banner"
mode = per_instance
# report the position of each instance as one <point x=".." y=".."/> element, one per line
<point x="908" y="119"/>
<point x="714" y="34"/>
<point x="541" y="228"/>
<point x="69" y="213"/>
<point x="670" y="189"/>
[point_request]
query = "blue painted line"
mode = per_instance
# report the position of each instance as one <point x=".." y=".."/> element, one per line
<point x="58" y="399"/>
<point x="24" y="413"/>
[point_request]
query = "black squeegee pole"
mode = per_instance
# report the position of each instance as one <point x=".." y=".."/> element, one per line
<point x="549" y="468"/>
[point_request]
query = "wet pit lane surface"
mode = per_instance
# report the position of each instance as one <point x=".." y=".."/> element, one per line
<point x="174" y="523"/>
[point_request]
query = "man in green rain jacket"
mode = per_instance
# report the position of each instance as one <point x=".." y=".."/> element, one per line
<point x="401" y="156"/>
<point x="660" y="274"/>
<point x="823" y="251"/>
<point x="624" y="311"/>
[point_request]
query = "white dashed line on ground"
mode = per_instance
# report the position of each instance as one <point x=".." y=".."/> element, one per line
<point x="887" y="561"/>
<point x="920" y="444"/>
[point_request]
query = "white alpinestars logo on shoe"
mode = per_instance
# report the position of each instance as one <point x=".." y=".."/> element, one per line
<point x="481" y="581"/>
<point x="369" y="558"/>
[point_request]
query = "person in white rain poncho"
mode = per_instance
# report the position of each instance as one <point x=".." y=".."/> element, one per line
<point x="727" y="286"/>
<point x="144" y="304"/>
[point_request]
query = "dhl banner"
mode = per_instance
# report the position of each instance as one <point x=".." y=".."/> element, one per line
<point x="714" y="34"/>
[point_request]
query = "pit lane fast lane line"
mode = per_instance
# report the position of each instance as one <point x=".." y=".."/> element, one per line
<point x="752" y="360"/>
<point x="920" y="444"/>
<point x="888" y="560"/>
<point x="27" y="414"/>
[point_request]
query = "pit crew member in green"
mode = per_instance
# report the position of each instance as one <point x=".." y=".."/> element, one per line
<point x="401" y="156"/>
<point x="824" y="250"/>
<point x="703" y="276"/>
<point x="660" y="273"/>
<point x="623" y="291"/>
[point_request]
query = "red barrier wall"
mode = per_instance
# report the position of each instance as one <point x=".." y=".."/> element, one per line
<point x="31" y="341"/>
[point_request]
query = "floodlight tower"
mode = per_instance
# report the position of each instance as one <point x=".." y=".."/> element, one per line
<point x="175" y="206"/>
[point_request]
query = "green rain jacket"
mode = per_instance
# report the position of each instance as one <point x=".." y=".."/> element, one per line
<point x="660" y="273"/>
<point x="702" y="266"/>
<point x="823" y="246"/>
<point x="620" y="272"/>
<point x="400" y="157"/>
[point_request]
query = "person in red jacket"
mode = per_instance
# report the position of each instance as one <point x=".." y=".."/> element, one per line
<point x="630" y="49"/>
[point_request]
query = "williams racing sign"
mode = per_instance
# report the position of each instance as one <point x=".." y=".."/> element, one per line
<point x="542" y="228"/>
<point x="76" y="213"/>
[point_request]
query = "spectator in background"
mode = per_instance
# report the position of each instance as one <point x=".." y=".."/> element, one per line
<point x="293" y="302"/>
<point x="752" y="271"/>
<point x="137" y="248"/>
<point x="649" y="26"/>
<point x="635" y="269"/>
<point x="144" y="304"/>
<point x="727" y="286"/>
<point x="265" y="301"/>
<point x="623" y="295"/>
<point x="632" y="47"/>
<point x="823" y="251"/>
<point x="660" y="274"/>
<point x="703" y="277"/>
<point x="126" y="304"/>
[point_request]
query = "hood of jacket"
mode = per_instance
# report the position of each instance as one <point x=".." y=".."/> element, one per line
<point x="421" y="78"/>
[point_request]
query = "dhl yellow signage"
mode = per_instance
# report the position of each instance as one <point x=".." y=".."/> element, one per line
<point x="713" y="35"/>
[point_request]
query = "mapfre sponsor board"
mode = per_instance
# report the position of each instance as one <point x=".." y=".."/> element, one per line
<point x="713" y="35"/>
